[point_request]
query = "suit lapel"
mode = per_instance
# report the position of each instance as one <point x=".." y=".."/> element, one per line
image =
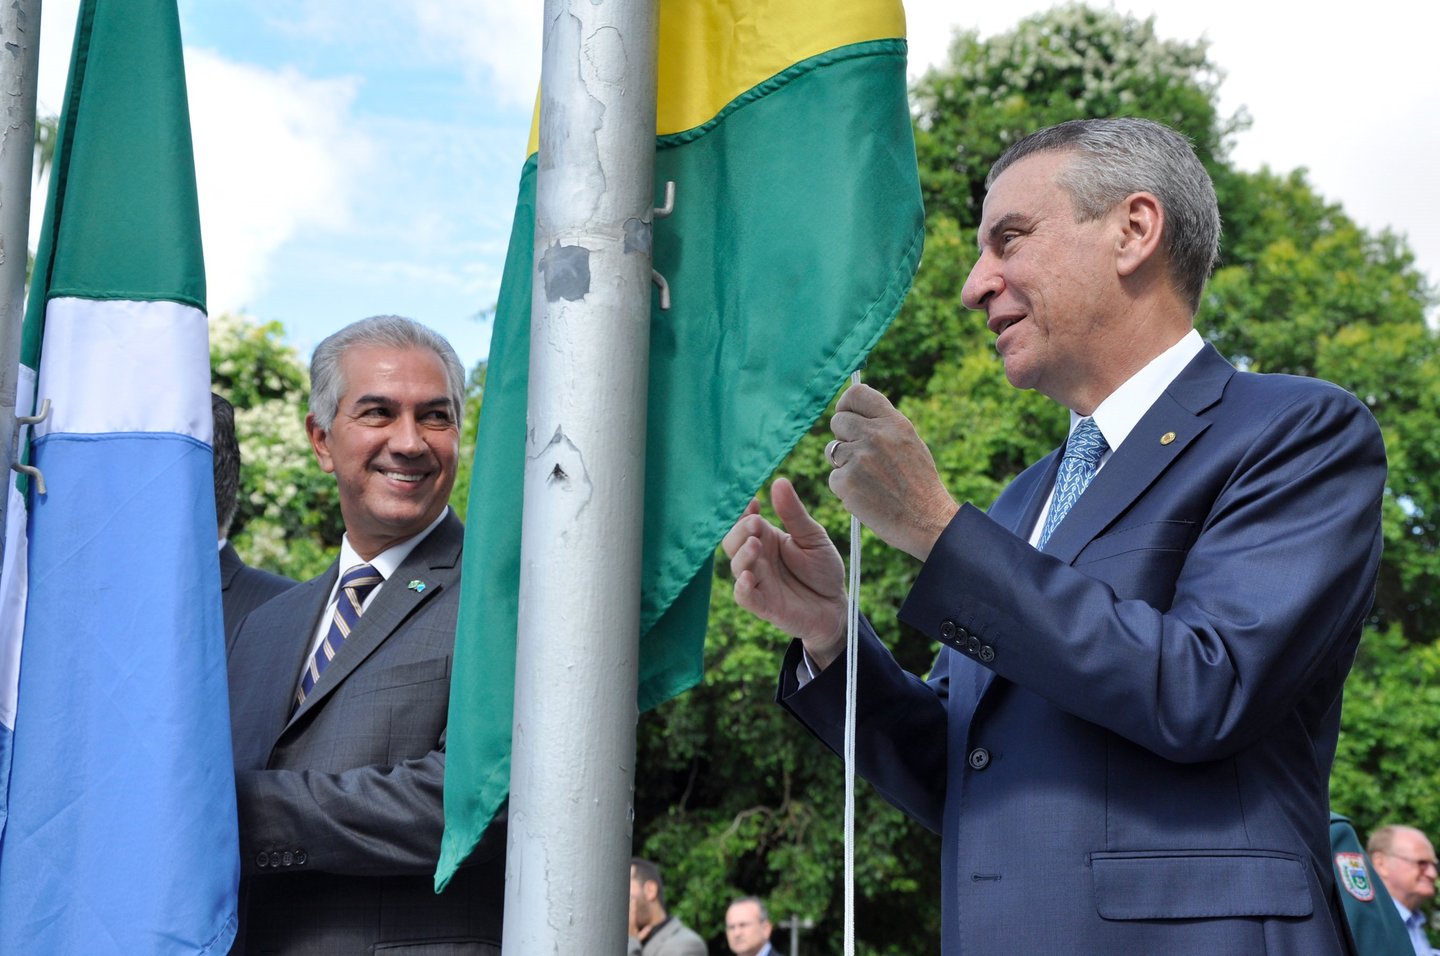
<point x="265" y="664"/>
<point x="418" y="580"/>
<point x="1172" y="423"/>
<point x="1144" y="456"/>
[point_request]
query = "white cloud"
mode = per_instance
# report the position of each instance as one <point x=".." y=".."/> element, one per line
<point x="497" y="41"/>
<point x="275" y="152"/>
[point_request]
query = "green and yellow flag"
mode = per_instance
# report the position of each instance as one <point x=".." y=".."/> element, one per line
<point x="796" y="234"/>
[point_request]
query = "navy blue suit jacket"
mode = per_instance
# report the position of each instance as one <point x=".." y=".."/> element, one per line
<point x="1126" y="740"/>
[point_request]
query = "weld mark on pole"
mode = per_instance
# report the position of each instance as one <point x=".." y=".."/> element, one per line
<point x="637" y="236"/>
<point x="566" y="478"/>
<point x="567" y="272"/>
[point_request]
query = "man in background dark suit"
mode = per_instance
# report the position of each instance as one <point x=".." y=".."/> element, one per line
<point x="340" y="687"/>
<point x="242" y="588"/>
<point x="1126" y="739"/>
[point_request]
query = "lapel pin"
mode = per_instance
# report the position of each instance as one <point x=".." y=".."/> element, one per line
<point x="417" y="586"/>
<point x="1165" y="439"/>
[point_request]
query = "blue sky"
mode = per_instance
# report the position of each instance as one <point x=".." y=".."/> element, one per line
<point x="358" y="156"/>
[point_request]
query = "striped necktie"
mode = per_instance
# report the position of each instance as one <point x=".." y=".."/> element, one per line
<point x="355" y="586"/>
<point x="1082" y="459"/>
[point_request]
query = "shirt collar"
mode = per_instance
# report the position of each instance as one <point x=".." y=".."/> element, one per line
<point x="1406" y="914"/>
<point x="1122" y="410"/>
<point x="389" y="560"/>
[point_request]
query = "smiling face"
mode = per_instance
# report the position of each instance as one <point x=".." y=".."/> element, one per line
<point x="392" y="446"/>
<point x="1408" y="867"/>
<point x="1047" y="283"/>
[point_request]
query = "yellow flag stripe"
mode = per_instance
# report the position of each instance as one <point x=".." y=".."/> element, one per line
<point x="711" y="51"/>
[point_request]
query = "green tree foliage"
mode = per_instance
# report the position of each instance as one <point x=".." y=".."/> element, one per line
<point x="733" y="797"/>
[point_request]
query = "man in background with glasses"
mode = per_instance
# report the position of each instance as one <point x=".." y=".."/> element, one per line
<point x="1405" y="862"/>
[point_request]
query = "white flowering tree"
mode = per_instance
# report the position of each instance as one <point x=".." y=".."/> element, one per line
<point x="288" y="516"/>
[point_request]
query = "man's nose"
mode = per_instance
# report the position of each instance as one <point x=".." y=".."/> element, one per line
<point x="406" y="436"/>
<point x="982" y="284"/>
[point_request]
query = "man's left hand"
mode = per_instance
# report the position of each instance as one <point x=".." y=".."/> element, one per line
<point x="885" y="475"/>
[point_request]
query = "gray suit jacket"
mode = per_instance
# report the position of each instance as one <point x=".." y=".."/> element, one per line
<point x="340" y="802"/>
<point x="673" y="938"/>
<point x="243" y="588"/>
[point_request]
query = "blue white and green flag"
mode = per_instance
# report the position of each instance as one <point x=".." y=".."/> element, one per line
<point x="119" y="829"/>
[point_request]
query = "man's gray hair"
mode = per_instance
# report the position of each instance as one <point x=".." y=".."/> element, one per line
<point x="759" y="905"/>
<point x="327" y="383"/>
<point x="1118" y="156"/>
<point x="1384" y="838"/>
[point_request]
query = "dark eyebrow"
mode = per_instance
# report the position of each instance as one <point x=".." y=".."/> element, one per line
<point x="385" y="400"/>
<point x="1008" y="221"/>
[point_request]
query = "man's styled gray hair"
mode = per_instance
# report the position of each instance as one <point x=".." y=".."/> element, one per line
<point x="327" y="383"/>
<point x="1115" y="157"/>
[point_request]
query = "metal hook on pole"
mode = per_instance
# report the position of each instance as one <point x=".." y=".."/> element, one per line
<point x="660" y="213"/>
<point x="38" y="417"/>
<point x="659" y="280"/>
<point x="30" y="470"/>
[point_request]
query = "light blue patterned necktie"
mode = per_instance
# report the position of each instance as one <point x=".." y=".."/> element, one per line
<point x="355" y="586"/>
<point x="1082" y="459"/>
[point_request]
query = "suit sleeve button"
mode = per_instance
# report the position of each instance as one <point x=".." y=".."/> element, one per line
<point x="986" y="653"/>
<point x="263" y="859"/>
<point x="979" y="758"/>
<point x="972" y="646"/>
<point x="300" y="857"/>
<point x="947" y="630"/>
<point x="287" y="859"/>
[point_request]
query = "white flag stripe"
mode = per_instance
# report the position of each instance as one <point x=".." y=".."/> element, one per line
<point x="110" y="365"/>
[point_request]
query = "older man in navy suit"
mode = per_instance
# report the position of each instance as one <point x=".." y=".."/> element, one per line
<point x="1126" y="739"/>
<point x="340" y="687"/>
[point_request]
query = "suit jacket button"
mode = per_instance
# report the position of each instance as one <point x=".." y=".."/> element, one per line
<point x="979" y="758"/>
<point x="288" y="859"/>
<point x="947" y="630"/>
<point x="274" y="857"/>
<point x="300" y="857"/>
<point x="986" y="654"/>
<point x="263" y="859"/>
<point x="972" y="646"/>
<point x="962" y="635"/>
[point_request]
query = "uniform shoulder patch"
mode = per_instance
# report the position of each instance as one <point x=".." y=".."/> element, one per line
<point x="1355" y="876"/>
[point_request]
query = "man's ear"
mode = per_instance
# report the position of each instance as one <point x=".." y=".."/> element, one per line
<point x="1142" y="220"/>
<point x="319" y="443"/>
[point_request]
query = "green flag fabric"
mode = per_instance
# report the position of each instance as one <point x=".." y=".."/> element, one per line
<point x="796" y="234"/>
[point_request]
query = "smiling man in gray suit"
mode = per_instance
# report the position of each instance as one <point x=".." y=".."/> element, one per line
<point x="339" y="688"/>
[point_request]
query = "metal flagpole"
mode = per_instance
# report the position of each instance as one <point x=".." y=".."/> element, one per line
<point x="573" y="766"/>
<point x="20" y="30"/>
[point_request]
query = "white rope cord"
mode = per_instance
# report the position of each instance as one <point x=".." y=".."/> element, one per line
<point x="852" y="658"/>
